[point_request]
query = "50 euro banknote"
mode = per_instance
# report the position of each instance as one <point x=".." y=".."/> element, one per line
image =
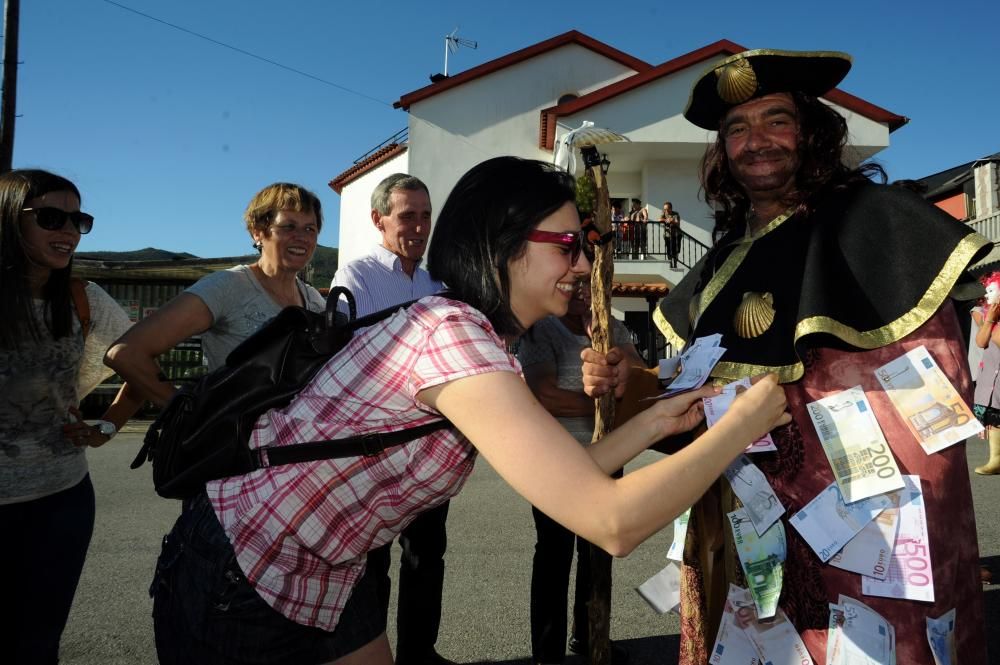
<point x="930" y="406"/>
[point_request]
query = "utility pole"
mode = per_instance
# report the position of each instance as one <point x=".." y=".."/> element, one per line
<point x="8" y="98"/>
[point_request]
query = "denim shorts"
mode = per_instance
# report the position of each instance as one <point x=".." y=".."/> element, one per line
<point x="205" y="610"/>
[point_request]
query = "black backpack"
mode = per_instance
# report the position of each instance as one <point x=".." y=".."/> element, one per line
<point x="203" y="433"/>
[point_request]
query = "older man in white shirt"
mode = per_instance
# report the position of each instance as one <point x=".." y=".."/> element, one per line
<point x="389" y="275"/>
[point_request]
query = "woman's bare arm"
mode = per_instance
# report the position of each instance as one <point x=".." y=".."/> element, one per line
<point x="134" y="355"/>
<point x="543" y="463"/>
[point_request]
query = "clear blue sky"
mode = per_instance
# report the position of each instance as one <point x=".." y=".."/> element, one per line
<point x="168" y="135"/>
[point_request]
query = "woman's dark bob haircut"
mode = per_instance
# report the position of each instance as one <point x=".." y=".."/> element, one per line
<point x="482" y="228"/>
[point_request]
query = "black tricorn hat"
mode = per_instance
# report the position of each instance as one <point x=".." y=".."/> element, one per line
<point x="759" y="72"/>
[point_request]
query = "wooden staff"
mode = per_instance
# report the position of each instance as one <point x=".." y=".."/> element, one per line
<point x="599" y="603"/>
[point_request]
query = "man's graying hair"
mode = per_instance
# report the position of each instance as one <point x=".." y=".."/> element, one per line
<point x="383" y="191"/>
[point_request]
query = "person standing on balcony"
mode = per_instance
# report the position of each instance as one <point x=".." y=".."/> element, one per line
<point x="822" y="276"/>
<point x="671" y="220"/>
<point x="616" y="212"/>
<point x="621" y="230"/>
<point x="638" y="218"/>
<point x="390" y="275"/>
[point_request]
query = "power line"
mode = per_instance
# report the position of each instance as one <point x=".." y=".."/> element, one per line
<point x="249" y="54"/>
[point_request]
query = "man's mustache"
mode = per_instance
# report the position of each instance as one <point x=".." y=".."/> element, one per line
<point x="767" y="154"/>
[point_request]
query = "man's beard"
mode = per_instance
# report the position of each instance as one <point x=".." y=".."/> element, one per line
<point x="783" y="178"/>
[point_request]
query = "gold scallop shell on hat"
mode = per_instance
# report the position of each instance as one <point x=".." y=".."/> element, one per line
<point x="754" y="315"/>
<point x="737" y="82"/>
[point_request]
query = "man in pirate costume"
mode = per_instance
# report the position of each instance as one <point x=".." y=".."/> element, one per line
<point x="821" y="277"/>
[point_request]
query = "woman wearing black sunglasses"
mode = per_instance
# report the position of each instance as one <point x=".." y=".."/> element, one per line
<point x="53" y="335"/>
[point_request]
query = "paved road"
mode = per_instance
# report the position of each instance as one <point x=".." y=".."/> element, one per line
<point x="491" y="540"/>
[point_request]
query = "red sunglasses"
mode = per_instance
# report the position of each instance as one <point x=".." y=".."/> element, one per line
<point x="575" y="242"/>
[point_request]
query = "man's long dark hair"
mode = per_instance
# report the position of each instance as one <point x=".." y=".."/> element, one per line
<point x="822" y="142"/>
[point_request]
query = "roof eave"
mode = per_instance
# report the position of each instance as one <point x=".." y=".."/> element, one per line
<point x="871" y="111"/>
<point x="571" y="37"/>
<point x="546" y="138"/>
<point x="357" y="170"/>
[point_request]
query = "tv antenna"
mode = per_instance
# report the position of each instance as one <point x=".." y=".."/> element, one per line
<point x="452" y="42"/>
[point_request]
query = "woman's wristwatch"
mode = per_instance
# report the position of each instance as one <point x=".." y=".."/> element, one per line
<point x="107" y="428"/>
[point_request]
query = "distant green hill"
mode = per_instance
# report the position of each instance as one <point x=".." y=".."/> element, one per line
<point x="324" y="264"/>
<point x="324" y="261"/>
<point x="147" y="254"/>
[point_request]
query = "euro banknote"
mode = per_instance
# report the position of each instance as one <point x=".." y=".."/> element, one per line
<point x="910" y="573"/>
<point x="762" y="558"/>
<point x="854" y="445"/>
<point x="930" y="406"/>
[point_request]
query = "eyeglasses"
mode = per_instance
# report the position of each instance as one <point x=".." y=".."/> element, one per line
<point x="287" y="229"/>
<point x="576" y="243"/>
<point x="53" y="219"/>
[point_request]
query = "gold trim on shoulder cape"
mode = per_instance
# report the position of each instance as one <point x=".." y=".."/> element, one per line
<point x="866" y="269"/>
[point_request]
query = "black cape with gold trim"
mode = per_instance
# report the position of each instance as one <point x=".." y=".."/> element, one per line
<point x="870" y="266"/>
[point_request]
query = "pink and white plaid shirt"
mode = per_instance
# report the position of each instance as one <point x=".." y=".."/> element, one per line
<point x="301" y="531"/>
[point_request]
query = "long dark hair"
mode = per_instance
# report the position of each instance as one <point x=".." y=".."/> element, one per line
<point x="822" y="142"/>
<point x="16" y="309"/>
<point x="483" y="227"/>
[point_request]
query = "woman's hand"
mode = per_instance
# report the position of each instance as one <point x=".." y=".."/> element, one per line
<point x="81" y="434"/>
<point x="681" y="413"/>
<point x="604" y="373"/>
<point x="761" y="408"/>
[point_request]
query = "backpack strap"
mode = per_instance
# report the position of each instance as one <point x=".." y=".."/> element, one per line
<point x="366" y="445"/>
<point x="78" y="292"/>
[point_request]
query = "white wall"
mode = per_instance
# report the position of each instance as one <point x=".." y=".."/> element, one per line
<point x="649" y="113"/>
<point x="357" y="233"/>
<point x="498" y="114"/>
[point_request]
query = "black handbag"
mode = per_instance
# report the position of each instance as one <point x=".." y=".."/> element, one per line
<point x="203" y="433"/>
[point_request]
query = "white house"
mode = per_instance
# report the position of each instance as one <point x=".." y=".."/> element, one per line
<point x="521" y="103"/>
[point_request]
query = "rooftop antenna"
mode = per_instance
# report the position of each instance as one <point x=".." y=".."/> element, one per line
<point x="452" y="42"/>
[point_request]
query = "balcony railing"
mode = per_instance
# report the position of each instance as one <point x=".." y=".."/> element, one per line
<point x="399" y="137"/>
<point x="988" y="227"/>
<point x="637" y="241"/>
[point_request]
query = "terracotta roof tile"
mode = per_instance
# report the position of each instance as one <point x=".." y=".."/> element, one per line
<point x="639" y="289"/>
<point x="367" y="164"/>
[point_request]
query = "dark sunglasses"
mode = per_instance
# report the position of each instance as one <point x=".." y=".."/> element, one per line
<point x="53" y="219"/>
<point x="575" y="242"/>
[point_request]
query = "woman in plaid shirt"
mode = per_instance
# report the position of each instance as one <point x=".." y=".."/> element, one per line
<point x="270" y="567"/>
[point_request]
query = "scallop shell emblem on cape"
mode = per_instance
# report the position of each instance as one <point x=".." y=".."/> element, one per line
<point x="737" y="82"/>
<point x="754" y="315"/>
